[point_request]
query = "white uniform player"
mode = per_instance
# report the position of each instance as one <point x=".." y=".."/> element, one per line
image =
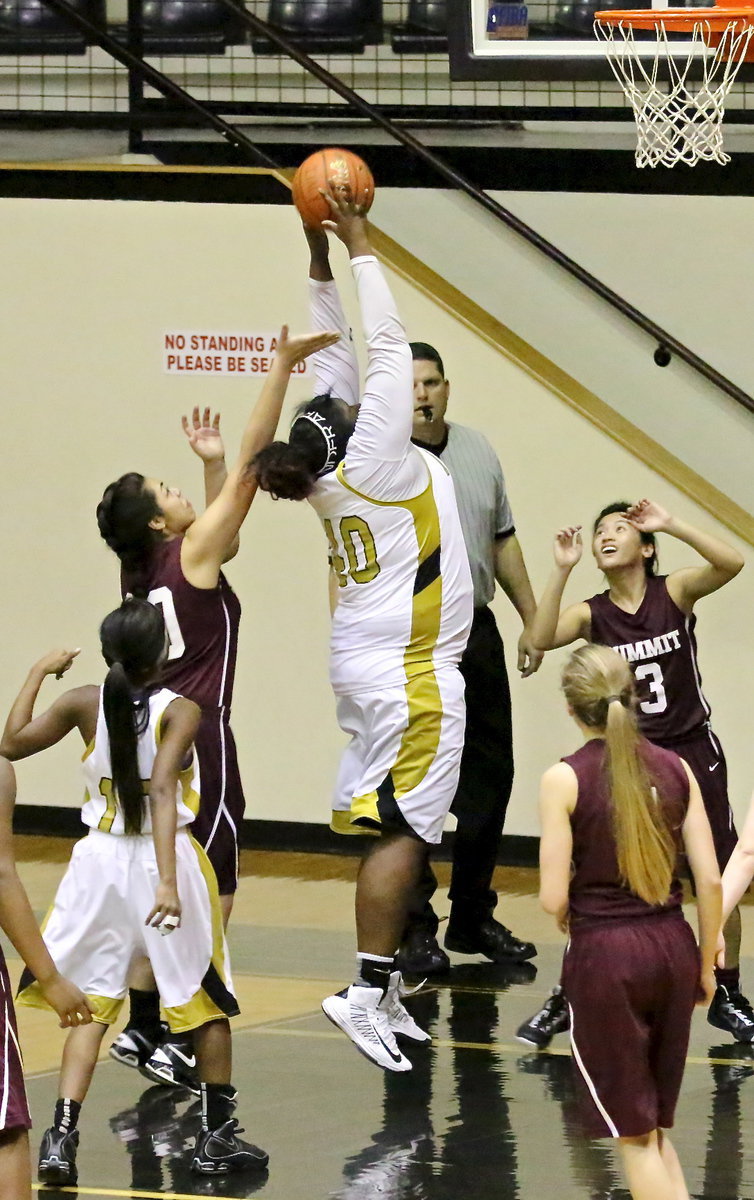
<point x="97" y="923"/>
<point x="404" y="587"/>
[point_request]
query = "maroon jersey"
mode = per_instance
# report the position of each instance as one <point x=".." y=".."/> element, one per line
<point x="658" y="643"/>
<point x="202" y="625"/>
<point x="596" y="892"/>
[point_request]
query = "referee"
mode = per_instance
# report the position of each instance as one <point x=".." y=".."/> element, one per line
<point x="487" y="765"/>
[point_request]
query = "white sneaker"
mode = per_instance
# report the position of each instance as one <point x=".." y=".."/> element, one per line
<point x="399" y="1018"/>
<point x="358" y="1012"/>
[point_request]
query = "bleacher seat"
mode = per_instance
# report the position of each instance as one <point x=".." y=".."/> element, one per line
<point x="324" y="26"/>
<point x="185" y="27"/>
<point x="425" y="30"/>
<point x="30" y="27"/>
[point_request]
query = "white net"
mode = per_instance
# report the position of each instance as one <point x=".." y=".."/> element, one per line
<point x="678" y="98"/>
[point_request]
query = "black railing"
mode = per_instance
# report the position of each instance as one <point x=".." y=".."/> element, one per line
<point x="666" y="345"/>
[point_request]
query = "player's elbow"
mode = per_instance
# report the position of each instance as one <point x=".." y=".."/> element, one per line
<point x="553" y="899"/>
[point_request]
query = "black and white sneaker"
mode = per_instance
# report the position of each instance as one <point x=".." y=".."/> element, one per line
<point x="552" y="1018"/>
<point x="358" y="1011"/>
<point x="173" y="1064"/>
<point x="399" y="1018"/>
<point x="219" y="1151"/>
<point x="132" y="1048"/>
<point x="57" y="1157"/>
<point x="731" y="1011"/>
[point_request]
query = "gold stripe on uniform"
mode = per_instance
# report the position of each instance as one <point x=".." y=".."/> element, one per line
<point x="421" y="737"/>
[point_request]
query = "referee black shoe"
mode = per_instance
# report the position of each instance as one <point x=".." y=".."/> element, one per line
<point x="220" y="1151"/>
<point x="420" y="954"/>
<point x="731" y="1011"/>
<point x="57" y="1157"/>
<point x="489" y="938"/>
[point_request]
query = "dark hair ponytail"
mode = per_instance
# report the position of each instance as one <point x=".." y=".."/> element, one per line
<point x="133" y="642"/>
<point x="317" y="443"/>
<point x="123" y="516"/>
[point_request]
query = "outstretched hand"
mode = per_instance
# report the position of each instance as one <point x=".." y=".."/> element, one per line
<point x="568" y="546"/>
<point x="203" y="433"/>
<point x="293" y="350"/>
<point x="348" y="220"/>
<point x="648" y="517"/>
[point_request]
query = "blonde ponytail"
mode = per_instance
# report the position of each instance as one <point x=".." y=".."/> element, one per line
<point x="599" y="688"/>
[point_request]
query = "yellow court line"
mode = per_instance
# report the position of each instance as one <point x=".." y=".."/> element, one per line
<point x="516" y="1048"/>
<point x="88" y="1191"/>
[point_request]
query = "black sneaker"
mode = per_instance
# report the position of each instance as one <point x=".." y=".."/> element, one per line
<point x="731" y="1011"/>
<point x="57" y="1157"/>
<point x="219" y="1151"/>
<point x="489" y="938"/>
<point x="552" y="1018"/>
<point x="173" y="1064"/>
<point x="420" y="954"/>
<point x="132" y="1048"/>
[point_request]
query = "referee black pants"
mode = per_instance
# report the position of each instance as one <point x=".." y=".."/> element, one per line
<point x="484" y="787"/>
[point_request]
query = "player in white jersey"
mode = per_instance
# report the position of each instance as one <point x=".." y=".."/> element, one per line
<point x="402" y="586"/>
<point x="137" y="877"/>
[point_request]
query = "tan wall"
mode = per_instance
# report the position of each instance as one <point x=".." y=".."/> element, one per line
<point x="89" y="287"/>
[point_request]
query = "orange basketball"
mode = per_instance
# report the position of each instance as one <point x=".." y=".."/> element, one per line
<point x="334" y="169"/>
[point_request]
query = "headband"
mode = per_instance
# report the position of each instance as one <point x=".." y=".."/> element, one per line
<point x="327" y="433"/>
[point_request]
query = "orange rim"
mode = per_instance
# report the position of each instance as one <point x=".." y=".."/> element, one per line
<point x="678" y="20"/>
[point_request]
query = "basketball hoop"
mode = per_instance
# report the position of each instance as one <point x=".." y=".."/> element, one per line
<point x="679" y="109"/>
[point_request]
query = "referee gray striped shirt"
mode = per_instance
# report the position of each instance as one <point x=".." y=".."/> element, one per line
<point x="483" y="506"/>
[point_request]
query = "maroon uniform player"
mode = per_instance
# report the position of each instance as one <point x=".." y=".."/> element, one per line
<point x="650" y="621"/>
<point x="19" y="923"/>
<point x="615" y="816"/>
<point x="174" y="557"/>
<point x="202" y="625"/>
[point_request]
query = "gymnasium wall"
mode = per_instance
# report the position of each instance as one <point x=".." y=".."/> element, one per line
<point x="89" y="289"/>
<point x="683" y="261"/>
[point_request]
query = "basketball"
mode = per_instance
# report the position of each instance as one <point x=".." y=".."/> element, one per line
<point x="332" y="168"/>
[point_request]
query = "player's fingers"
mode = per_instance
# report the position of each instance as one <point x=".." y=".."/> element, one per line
<point x="216" y="421"/>
<point x="207" y="414"/>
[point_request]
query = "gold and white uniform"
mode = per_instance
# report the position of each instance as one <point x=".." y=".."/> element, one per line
<point x="404" y="586"/>
<point x="96" y="925"/>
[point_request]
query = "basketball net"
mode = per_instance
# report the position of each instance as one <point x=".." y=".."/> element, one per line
<point x="678" y="115"/>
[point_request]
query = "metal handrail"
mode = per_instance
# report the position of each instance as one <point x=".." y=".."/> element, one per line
<point x="667" y="345"/>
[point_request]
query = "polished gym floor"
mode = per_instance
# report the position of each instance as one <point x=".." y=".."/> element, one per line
<point x="478" y="1117"/>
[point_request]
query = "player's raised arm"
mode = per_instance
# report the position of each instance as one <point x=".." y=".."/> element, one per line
<point x="385" y="421"/>
<point x="25" y="734"/>
<point x="689" y="584"/>
<point x="207" y="540"/>
<point x="336" y="368"/>
<point x="551" y="628"/>
<point x="202" y="430"/>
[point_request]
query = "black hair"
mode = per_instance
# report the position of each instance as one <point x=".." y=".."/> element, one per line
<point x="423" y="351"/>
<point x="316" y="444"/>
<point x="648" y="539"/>
<point x="133" y="641"/>
<point x="123" y="515"/>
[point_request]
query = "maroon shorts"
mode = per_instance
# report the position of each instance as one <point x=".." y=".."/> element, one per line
<point x="631" y="988"/>
<point x="222" y="803"/>
<point x="704" y="755"/>
<point x="14" y="1108"/>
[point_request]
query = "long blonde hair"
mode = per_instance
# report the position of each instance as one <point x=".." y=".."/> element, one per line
<point x="599" y="688"/>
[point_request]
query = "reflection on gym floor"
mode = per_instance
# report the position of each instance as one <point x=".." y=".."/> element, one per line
<point x="479" y="1115"/>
